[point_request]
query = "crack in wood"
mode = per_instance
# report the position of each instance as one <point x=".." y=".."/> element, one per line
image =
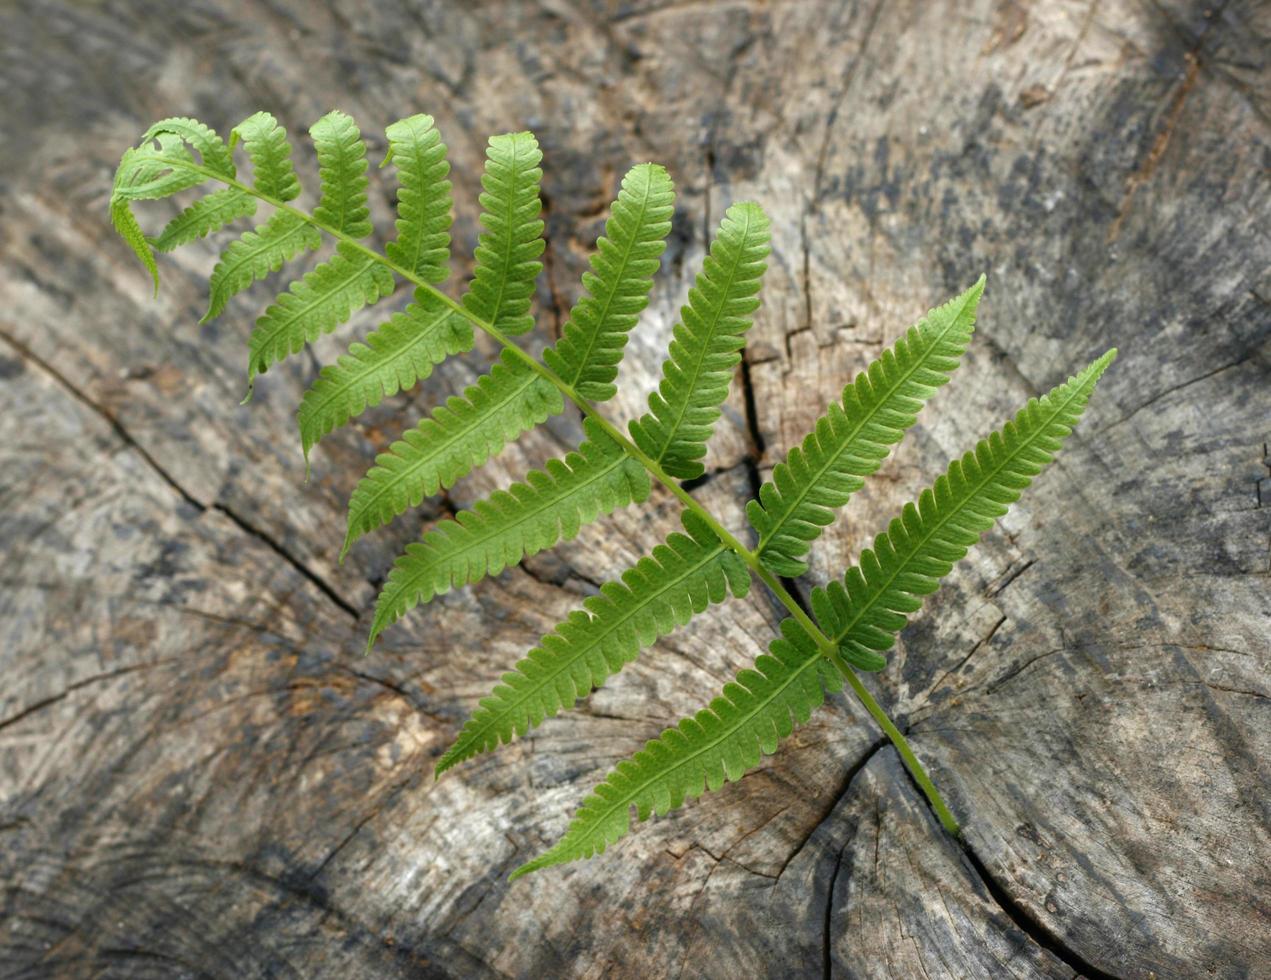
<point x="844" y="788"/>
<point x="827" y="962"/>
<point x="70" y="689"/>
<point x="1027" y="922"/>
<point x="322" y="585"/>
<point x="971" y="653"/>
<point x="1011" y="574"/>
<point x="166" y="477"/>
<point x="1021" y="917"/>
<point x="1244" y="359"/>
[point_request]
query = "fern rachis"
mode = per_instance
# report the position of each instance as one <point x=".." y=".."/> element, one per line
<point x="851" y="622"/>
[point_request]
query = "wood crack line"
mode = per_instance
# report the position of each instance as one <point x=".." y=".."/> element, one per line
<point x="323" y="586"/>
<point x="78" y="685"/>
<point x="1025" y="920"/>
<point x="844" y="788"/>
<point x="971" y="653"/>
<point x="1244" y="359"/>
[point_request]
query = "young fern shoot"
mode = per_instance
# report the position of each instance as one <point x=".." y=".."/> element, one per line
<point x="851" y="623"/>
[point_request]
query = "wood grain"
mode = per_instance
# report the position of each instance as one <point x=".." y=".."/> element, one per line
<point x="201" y="776"/>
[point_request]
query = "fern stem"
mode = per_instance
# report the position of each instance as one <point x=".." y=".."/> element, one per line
<point x="947" y="819"/>
<point x="751" y="558"/>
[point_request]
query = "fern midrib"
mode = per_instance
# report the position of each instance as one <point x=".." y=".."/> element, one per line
<point x="448" y="445"/>
<point x="356" y="378"/>
<point x="347" y="178"/>
<point x="966" y="500"/>
<point x="326" y="296"/>
<point x="227" y="204"/>
<point x="631" y="797"/>
<point x="548" y="680"/>
<point x="766" y="540"/>
<point x="704" y="348"/>
<point x="417" y="160"/>
<point x="509" y="243"/>
<point x="613" y="292"/>
<point x="494" y="531"/>
<point x="751" y="559"/>
<point x="262" y="246"/>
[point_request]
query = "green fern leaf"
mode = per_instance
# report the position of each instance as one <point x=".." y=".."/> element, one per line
<point x="618" y="285"/>
<point x="270" y="153"/>
<point x="125" y="221"/>
<point x="400" y="353"/>
<point x="342" y="168"/>
<point x="502" y="529"/>
<point x="507" y="256"/>
<point x="317" y="304"/>
<point x="717" y="745"/>
<point x="215" y="154"/>
<point x="396" y="356"/>
<point x="129" y="230"/>
<point x="851" y="440"/>
<point x="255" y="255"/>
<point x="661" y="592"/>
<point x="862" y="615"/>
<point x="149" y="172"/>
<point x="422" y="245"/>
<point x="864" y="612"/>
<point x="146" y="172"/>
<point x="206" y="215"/>
<point x="706" y="346"/>
<point x="456" y="438"/>
<point x="512" y="398"/>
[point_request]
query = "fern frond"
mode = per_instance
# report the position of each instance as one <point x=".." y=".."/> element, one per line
<point x="717" y="745"/>
<point x="266" y="143"/>
<point x="397" y="355"/>
<point x="549" y="507"/>
<point x="862" y="616"/>
<point x="706" y="346"/>
<point x="456" y="438"/>
<point x="317" y="304"/>
<point x="853" y="620"/>
<point x="617" y="285"/>
<point x="508" y="250"/>
<point x="659" y="593"/>
<point x="850" y="441"/>
<point x="342" y="169"/>
<point x="255" y="255"/>
<point x="864" y="612"/>
<point x="206" y="215"/>
<point x="422" y="245"/>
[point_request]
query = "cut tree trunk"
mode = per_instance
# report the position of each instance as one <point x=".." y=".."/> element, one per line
<point x="200" y="775"/>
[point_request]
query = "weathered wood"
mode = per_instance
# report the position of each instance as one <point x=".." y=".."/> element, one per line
<point x="199" y="775"/>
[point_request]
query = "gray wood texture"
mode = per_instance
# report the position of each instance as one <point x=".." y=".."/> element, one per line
<point x="201" y="776"/>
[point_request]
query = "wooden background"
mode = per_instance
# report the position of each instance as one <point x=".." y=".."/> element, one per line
<point x="200" y="776"/>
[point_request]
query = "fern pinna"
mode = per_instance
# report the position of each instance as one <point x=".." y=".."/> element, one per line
<point x="848" y="625"/>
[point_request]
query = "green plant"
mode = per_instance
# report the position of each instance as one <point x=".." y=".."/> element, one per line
<point x="850" y="623"/>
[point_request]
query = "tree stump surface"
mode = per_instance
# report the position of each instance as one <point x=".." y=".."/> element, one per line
<point x="200" y="775"/>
